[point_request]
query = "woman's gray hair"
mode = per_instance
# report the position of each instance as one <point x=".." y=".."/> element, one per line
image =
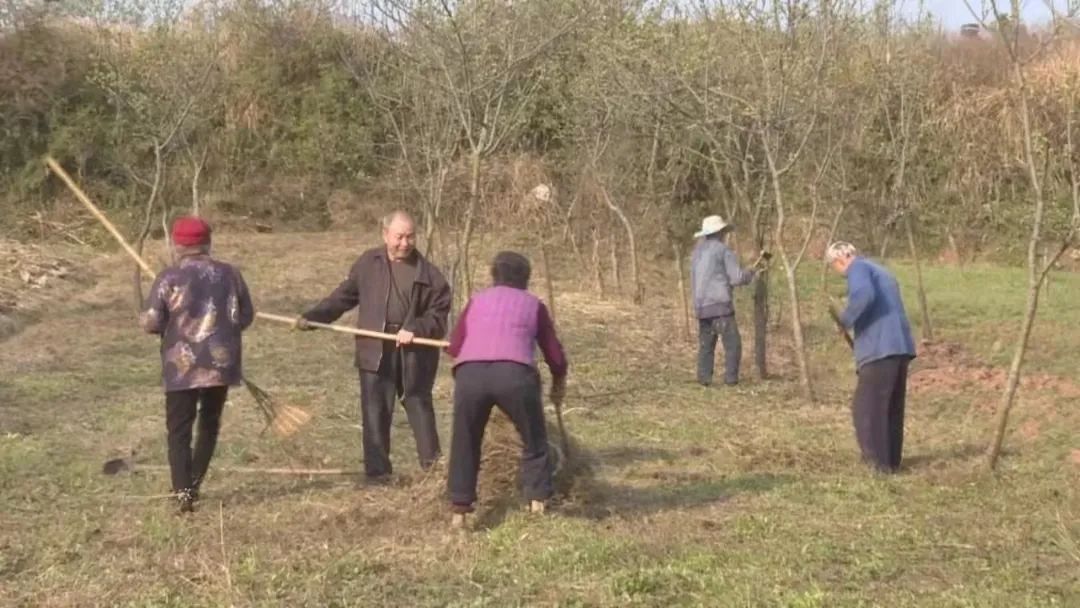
<point x="839" y="249"/>
<point x="511" y="269"/>
<point x="186" y="250"/>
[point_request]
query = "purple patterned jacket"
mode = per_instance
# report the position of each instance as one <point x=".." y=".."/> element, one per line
<point x="199" y="306"/>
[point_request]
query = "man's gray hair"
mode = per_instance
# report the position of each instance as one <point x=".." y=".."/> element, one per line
<point x="839" y="249"/>
<point x="395" y="214"/>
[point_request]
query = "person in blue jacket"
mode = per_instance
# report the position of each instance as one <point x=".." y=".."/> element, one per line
<point x="883" y="349"/>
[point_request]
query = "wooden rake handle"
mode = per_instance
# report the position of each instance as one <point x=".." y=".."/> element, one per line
<point x="352" y="330"/>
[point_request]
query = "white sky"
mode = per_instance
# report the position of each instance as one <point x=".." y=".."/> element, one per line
<point x="954" y="13"/>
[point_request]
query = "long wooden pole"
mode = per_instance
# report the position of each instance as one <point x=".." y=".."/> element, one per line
<point x="352" y="330"/>
<point x="79" y="194"/>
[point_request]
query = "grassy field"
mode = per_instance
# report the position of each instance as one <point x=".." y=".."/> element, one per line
<point x="693" y="496"/>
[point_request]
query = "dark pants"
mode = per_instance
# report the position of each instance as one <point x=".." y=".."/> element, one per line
<point x="515" y="388"/>
<point x="182" y="409"/>
<point x="379" y="392"/>
<point x="878" y="411"/>
<point x="727" y="331"/>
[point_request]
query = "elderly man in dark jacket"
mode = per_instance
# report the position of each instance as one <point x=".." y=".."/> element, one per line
<point x="397" y="291"/>
<point x="199" y="307"/>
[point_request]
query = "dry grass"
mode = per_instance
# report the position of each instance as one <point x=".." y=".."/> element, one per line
<point x="681" y="495"/>
<point x="31" y="275"/>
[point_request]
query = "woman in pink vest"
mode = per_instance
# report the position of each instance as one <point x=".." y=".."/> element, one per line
<point x="492" y="346"/>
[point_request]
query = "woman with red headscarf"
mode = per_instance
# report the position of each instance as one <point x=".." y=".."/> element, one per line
<point x="199" y="306"/>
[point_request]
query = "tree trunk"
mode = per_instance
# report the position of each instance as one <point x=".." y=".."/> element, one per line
<point x="789" y="274"/>
<point x="165" y="231"/>
<point x="631" y="244"/>
<point x="1046" y="264"/>
<point x="683" y="301"/>
<point x="616" y="278"/>
<point x="429" y="236"/>
<point x="196" y="208"/>
<point x="955" y="250"/>
<point x="832" y="235"/>
<point x="650" y="173"/>
<point x="455" y="297"/>
<point x="148" y="221"/>
<point x="1008" y="397"/>
<point x="598" y="270"/>
<point x="474" y="195"/>
<point x="927" y="328"/>
<point x="576" y="249"/>
<point x="1013" y="381"/>
<point x="547" y="278"/>
<point x="797" y="331"/>
<point x="761" y="323"/>
<point x="437" y="182"/>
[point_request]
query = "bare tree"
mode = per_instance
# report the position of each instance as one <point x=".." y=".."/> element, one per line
<point x="154" y="95"/>
<point x="485" y="60"/>
<point x="1009" y="33"/>
<point x="426" y="140"/>
<point x="784" y="128"/>
<point x="900" y="107"/>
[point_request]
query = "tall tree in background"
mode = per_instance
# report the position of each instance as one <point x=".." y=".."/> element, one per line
<point x="1024" y="110"/>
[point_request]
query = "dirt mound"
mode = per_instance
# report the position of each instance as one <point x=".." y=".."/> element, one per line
<point x="947" y="367"/>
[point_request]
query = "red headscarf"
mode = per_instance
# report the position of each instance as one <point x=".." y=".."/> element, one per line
<point x="190" y="231"/>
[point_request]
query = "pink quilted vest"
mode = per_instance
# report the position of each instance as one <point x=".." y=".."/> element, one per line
<point x="501" y="325"/>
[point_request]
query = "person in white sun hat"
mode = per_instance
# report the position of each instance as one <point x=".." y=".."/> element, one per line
<point x="714" y="273"/>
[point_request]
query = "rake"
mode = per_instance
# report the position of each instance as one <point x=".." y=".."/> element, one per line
<point x="283" y="419"/>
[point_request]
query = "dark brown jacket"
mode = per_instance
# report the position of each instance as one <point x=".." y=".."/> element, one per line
<point x="368" y="287"/>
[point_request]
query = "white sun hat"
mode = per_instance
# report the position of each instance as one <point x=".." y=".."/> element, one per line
<point x="711" y="225"/>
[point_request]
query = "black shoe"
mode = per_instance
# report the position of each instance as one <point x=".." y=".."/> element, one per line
<point x="185" y="501"/>
<point x="385" y="479"/>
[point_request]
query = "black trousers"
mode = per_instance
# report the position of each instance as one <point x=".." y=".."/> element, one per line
<point x="379" y="392"/>
<point x="878" y="411"/>
<point x="727" y="331"/>
<point x="515" y="388"/>
<point x="182" y="410"/>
